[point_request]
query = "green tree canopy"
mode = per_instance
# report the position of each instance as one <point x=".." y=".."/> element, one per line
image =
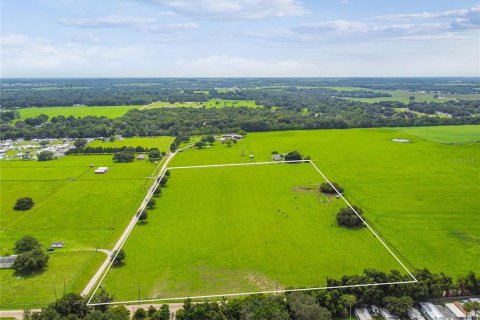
<point x="23" y="204"/>
<point x="25" y="244"/>
<point x="346" y="217"/>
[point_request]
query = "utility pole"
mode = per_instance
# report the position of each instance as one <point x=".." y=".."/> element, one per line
<point x="138" y="288"/>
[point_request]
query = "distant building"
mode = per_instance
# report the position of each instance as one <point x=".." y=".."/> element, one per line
<point x="414" y="314"/>
<point x="387" y="315"/>
<point x="7" y="262"/>
<point x="233" y="136"/>
<point x="362" y="314"/>
<point x="141" y="157"/>
<point x="401" y="140"/>
<point x="58" y="244"/>
<point x="430" y="311"/>
<point x="277" y="157"/>
<point x="446" y="314"/>
<point x="101" y="170"/>
<point x="458" y="313"/>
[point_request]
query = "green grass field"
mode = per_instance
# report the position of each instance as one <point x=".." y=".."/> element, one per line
<point x="162" y="143"/>
<point x="403" y="95"/>
<point x="242" y="229"/>
<point x="73" y="205"/>
<point x="107" y="111"/>
<point x="445" y="134"/>
<point x="421" y="196"/>
<point x="219" y="103"/>
<point x="212" y="103"/>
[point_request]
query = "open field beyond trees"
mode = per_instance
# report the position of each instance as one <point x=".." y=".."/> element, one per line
<point x="107" y="111"/>
<point x="162" y="143"/>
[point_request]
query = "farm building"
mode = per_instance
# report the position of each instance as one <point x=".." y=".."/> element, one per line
<point x="362" y="314"/>
<point x="7" y="262"/>
<point x="414" y="314"/>
<point x="141" y="157"/>
<point x="387" y="315"/>
<point x="101" y="170"/>
<point x="447" y="315"/>
<point x="277" y="157"/>
<point x="58" y="244"/>
<point x="233" y="136"/>
<point x="430" y="311"/>
<point x="401" y="140"/>
<point x="459" y="313"/>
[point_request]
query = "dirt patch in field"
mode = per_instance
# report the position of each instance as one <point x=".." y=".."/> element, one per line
<point x="263" y="283"/>
<point x="311" y="188"/>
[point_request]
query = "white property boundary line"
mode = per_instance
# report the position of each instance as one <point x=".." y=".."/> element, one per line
<point x="268" y="291"/>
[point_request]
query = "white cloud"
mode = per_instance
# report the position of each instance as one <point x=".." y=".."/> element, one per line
<point x="31" y="56"/>
<point x="143" y="24"/>
<point x="168" y="27"/>
<point x="235" y="9"/>
<point x="430" y="15"/>
<point x="85" y="37"/>
<point x="236" y="66"/>
<point x="107" y="21"/>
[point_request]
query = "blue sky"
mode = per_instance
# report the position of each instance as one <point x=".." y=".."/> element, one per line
<point x="239" y="38"/>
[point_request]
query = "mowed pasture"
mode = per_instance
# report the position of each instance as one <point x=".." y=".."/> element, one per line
<point x="162" y="143"/>
<point x="212" y="103"/>
<point x="445" y="134"/>
<point x="404" y="95"/>
<point x="422" y="197"/>
<point x="242" y="229"/>
<point x="74" y="205"/>
<point x="99" y="111"/>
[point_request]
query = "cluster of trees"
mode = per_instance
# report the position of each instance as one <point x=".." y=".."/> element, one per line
<point x="23" y="204"/>
<point x="293" y="156"/>
<point x="331" y="188"/>
<point x="45" y="156"/>
<point x="289" y="114"/>
<point x="32" y="257"/>
<point x="348" y="218"/>
<point x="72" y="306"/>
<point x="126" y="155"/>
<point x="204" y="141"/>
<point x="314" y="304"/>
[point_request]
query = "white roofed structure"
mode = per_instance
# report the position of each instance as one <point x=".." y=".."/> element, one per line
<point x="362" y="314"/>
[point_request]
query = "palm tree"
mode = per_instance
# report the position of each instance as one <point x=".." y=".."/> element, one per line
<point x="472" y="306"/>
<point x="349" y="300"/>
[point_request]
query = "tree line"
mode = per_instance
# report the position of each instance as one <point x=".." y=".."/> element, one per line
<point x="332" y="114"/>
<point x="310" y="304"/>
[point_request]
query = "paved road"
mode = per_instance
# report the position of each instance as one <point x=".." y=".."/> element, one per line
<point x="128" y="229"/>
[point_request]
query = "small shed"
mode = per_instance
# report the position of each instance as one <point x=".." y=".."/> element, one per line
<point x="7" y="262"/>
<point x="141" y="157"/>
<point x="277" y="157"/>
<point x="58" y="244"/>
<point x="101" y="170"/>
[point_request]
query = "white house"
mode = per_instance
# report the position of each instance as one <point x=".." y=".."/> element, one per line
<point x="7" y="262"/>
<point x="60" y="244"/>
